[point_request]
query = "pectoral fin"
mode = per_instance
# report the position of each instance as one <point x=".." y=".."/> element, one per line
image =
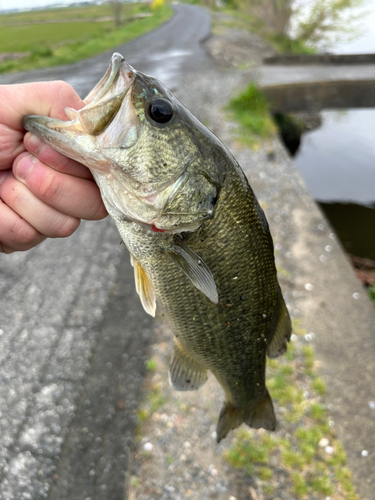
<point x="185" y="374"/>
<point x="144" y="288"/>
<point x="278" y="344"/>
<point x="195" y="269"/>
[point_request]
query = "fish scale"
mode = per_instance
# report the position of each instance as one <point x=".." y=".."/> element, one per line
<point x="188" y="312"/>
<point x="198" y="238"/>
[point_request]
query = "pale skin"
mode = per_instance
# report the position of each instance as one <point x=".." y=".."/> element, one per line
<point x="43" y="194"/>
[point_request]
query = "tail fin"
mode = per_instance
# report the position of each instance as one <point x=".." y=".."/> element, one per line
<point x="259" y="415"/>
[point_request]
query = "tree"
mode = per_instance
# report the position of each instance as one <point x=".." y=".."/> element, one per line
<point x="312" y="22"/>
<point x="275" y="14"/>
<point x="116" y="8"/>
<point x="323" y="21"/>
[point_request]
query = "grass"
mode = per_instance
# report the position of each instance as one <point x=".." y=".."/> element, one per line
<point x="241" y="19"/>
<point x="313" y="469"/>
<point x="155" y="399"/>
<point x="151" y="365"/>
<point x="64" y="43"/>
<point x="23" y="38"/>
<point x="154" y="394"/>
<point x="250" y="108"/>
<point x="285" y="45"/>
<point x="371" y="291"/>
<point x="42" y="16"/>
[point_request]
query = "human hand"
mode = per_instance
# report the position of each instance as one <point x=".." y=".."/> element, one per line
<point x="42" y="193"/>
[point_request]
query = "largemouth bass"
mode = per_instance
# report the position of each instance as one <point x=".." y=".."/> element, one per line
<point x="198" y="238"/>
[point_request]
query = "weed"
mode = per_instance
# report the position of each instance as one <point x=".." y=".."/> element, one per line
<point x="308" y="354"/>
<point x="317" y="411"/>
<point x="321" y="484"/>
<point x="319" y="386"/>
<point x="151" y="365"/>
<point x="265" y="473"/>
<point x="283" y="44"/>
<point x="339" y="455"/>
<point x="247" y="452"/>
<point x="268" y="489"/>
<point x="250" y="109"/>
<point x="135" y="482"/>
<point x="154" y="400"/>
<point x="299" y="485"/>
<point x="311" y="470"/>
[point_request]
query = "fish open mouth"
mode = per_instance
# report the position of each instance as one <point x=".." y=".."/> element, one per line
<point x="102" y="104"/>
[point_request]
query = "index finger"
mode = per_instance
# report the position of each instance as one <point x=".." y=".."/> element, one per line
<point x="39" y="98"/>
<point x="54" y="159"/>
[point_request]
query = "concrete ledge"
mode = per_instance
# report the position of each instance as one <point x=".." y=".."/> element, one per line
<point x="314" y="96"/>
<point x="296" y="59"/>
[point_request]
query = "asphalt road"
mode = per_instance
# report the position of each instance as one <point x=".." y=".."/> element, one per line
<point x="73" y="334"/>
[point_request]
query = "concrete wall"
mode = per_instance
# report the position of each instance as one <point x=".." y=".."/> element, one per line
<point x="315" y="96"/>
<point x="292" y="59"/>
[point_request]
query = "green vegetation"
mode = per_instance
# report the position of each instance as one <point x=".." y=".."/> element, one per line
<point x="312" y="456"/>
<point x="154" y="397"/>
<point x="151" y="365"/>
<point x="55" y="42"/>
<point x="26" y="37"/>
<point x="372" y="293"/>
<point x="250" y="109"/>
<point x="286" y="45"/>
<point x="87" y="12"/>
<point x="246" y="19"/>
<point x="135" y="482"/>
<point x="315" y="26"/>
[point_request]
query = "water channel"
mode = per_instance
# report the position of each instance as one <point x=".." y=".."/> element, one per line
<point x="337" y="160"/>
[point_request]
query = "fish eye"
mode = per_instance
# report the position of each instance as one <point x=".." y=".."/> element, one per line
<point x="160" y="111"/>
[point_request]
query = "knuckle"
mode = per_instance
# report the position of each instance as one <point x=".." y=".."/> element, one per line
<point x="12" y="191"/>
<point x="99" y="211"/>
<point x="49" y="187"/>
<point x="66" y="89"/>
<point x="24" y="235"/>
<point x="60" y="162"/>
<point x="66" y="227"/>
<point x="52" y="158"/>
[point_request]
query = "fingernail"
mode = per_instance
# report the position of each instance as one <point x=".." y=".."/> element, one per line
<point x="24" y="166"/>
<point x="34" y="143"/>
